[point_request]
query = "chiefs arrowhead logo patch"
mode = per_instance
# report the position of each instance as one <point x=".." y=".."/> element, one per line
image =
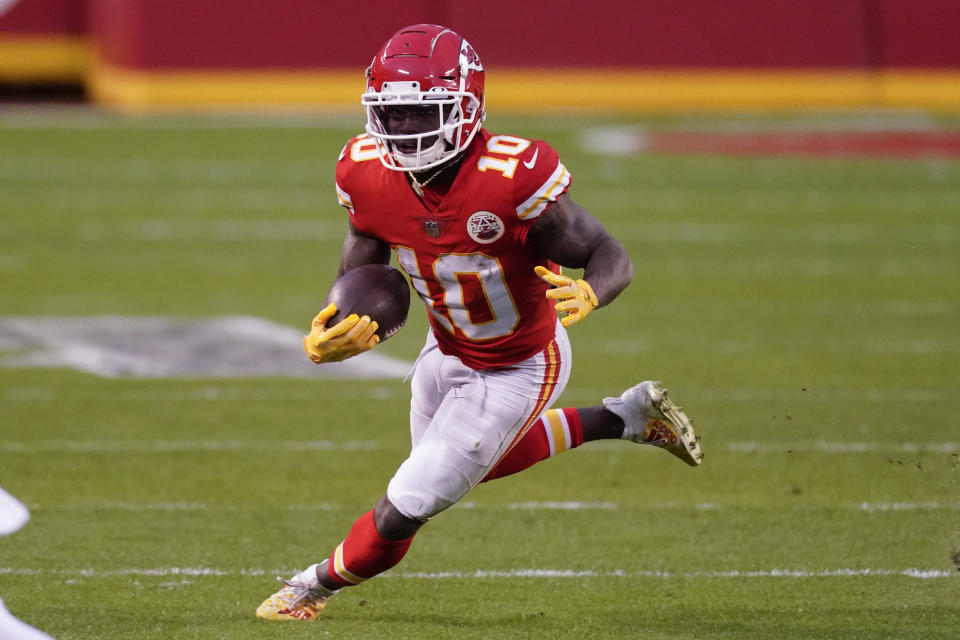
<point x="485" y="227"/>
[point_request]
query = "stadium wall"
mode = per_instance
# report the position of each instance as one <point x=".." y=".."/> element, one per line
<point x="609" y="54"/>
<point x="43" y="41"/>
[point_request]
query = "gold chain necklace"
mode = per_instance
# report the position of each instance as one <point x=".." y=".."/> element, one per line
<point x="418" y="186"/>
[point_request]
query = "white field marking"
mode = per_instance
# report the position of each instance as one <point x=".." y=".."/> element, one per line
<point x="630" y="139"/>
<point x="773" y="201"/>
<point x="184" y="506"/>
<point x="754" y="447"/>
<point x="312" y="116"/>
<point x="844" y="308"/>
<point x="857" y="120"/>
<point x="204" y="393"/>
<point x="806" y="235"/>
<point x="175" y="347"/>
<point x="132" y="506"/>
<point x="221" y="230"/>
<point x="213" y="170"/>
<point x="866" y="346"/>
<point x="620" y="573"/>
<point x="756" y="394"/>
<point x="326" y="506"/>
<point x="166" y="446"/>
<point x="562" y="506"/>
<point x="843" y="447"/>
<point x="874" y="507"/>
<point x="236" y="229"/>
<point x="625" y="346"/>
<point x="194" y="200"/>
<point x="71" y="117"/>
<point x="913" y="572"/>
<point x="838" y="265"/>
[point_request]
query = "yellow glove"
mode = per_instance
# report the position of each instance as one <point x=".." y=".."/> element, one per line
<point x="351" y="336"/>
<point x="576" y="297"/>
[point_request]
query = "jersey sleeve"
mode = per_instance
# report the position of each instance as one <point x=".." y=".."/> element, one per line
<point x="343" y="168"/>
<point x="540" y="179"/>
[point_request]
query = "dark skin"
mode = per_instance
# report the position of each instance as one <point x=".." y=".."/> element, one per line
<point x="570" y="236"/>
<point x="411" y="120"/>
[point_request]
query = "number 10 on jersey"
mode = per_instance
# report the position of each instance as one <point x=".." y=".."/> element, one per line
<point x="475" y="294"/>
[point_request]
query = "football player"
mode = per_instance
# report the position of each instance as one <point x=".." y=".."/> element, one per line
<point x="481" y="223"/>
<point x="14" y="515"/>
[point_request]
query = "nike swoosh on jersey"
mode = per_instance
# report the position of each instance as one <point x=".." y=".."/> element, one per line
<point x="529" y="164"/>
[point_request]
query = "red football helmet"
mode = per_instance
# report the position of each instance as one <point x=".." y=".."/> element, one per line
<point x="424" y="97"/>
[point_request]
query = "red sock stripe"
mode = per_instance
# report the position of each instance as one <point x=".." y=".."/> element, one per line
<point x="364" y="553"/>
<point x="557" y="431"/>
<point x="576" y="426"/>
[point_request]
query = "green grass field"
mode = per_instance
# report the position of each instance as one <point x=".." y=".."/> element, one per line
<point x="805" y="311"/>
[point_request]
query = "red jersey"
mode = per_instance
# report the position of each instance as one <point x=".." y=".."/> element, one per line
<point x="467" y="257"/>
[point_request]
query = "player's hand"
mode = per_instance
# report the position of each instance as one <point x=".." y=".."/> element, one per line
<point x="351" y="336"/>
<point x="576" y="297"/>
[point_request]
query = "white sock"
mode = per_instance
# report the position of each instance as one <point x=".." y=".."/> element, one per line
<point x="308" y="576"/>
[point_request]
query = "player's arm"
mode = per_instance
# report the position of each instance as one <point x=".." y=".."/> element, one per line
<point x="571" y="236"/>
<point x="354" y="334"/>
<point x="360" y="249"/>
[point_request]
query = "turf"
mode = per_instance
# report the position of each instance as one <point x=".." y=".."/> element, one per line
<point x="804" y="310"/>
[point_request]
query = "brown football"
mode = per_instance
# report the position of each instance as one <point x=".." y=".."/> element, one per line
<point x="376" y="290"/>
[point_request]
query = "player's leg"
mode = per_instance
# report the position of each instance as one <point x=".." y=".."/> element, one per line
<point x="643" y="414"/>
<point x="479" y="416"/>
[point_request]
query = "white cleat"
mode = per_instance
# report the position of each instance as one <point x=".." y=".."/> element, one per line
<point x="301" y="598"/>
<point x="650" y="417"/>
<point x="13" y="629"/>
<point x="13" y="514"/>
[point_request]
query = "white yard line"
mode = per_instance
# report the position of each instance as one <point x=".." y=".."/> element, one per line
<point x="767" y="394"/>
<point x="562" y="506"/>
<point x="912" y="572"/>
<point x="823" y="446"/>
<point x="869" y="507"/>
<point x="84" y="117"/>
<point x="165" y="446"/>
<point x="882" y="507"/>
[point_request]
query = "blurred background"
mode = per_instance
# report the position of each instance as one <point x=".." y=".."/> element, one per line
<point x="784" y="173"/>
<point x="612" y="54"/>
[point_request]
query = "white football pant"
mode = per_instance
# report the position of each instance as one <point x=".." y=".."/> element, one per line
<point x="462" y="421"/>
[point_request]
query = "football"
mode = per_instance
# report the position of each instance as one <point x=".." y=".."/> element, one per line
<point x="376" y="290"/>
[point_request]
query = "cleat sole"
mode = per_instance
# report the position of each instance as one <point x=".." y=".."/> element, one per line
<point x="687" y="448"/>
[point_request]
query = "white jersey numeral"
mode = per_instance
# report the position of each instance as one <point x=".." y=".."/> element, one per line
<point x="507" y="146"/>
<point x="365" y="148"/>
<point x="475" y="293"/>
